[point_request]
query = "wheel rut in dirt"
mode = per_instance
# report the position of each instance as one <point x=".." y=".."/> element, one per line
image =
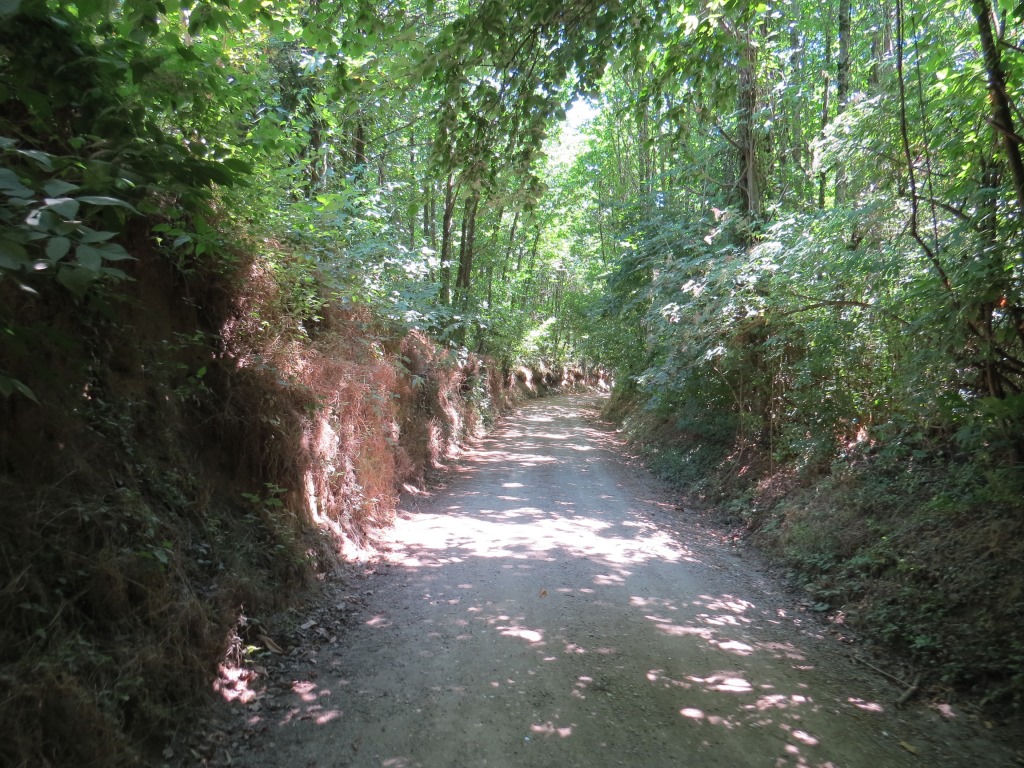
<point x="552" y="607"/>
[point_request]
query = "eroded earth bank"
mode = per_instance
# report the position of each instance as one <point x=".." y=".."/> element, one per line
<point x="552" y="606"/>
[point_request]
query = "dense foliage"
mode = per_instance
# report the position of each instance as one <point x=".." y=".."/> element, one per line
<point x="818" y="297"/>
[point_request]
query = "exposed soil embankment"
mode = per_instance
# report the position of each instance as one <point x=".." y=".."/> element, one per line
<point x="203" y="450"/>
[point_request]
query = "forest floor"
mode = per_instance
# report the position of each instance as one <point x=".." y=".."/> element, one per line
<point x="552" y="605"/>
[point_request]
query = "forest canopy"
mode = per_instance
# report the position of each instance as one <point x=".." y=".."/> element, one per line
<point x="848" y="170"/>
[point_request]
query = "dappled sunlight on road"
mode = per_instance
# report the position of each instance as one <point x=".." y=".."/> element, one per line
<point x="532" y="528"/>
<point x="528" y="533"/>
<point x="534" y="520"/>
<point x="545" y="612"/>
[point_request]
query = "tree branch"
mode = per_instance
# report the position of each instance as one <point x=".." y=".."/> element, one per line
<point x="905" y="138"/>
<point x="728" y="138"/>
<point x="839" y="303"/>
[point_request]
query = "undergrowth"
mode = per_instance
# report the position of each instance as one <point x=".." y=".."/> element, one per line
<point x="919" y="553"/>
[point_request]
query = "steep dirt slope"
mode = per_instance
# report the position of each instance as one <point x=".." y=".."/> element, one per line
<point x="551" y="607"/>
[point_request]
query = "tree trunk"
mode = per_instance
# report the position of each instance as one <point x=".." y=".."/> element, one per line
<point x="1002" y="115"/>
<point x="315" y="160"/>
<point x="797" y="143"/>
<point x="412" y="209"/>
<point x="822" y="176"/>
<point x="511" y="242"/>
<point x="749" y="177"/>
<point x="446" y="242"/>
<point x="359" y="144"/>
<point x="430" y="227"/>
<point x="528" y="284"/>
<point x="463" y="280"/>
<point x="842" y="87"/>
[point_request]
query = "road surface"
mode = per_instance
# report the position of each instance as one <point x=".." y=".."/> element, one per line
<point x="551" y="606"/>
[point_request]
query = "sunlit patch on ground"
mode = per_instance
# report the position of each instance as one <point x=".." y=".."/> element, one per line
<point x="310" y="704"/>
<point x="872" y="706"/>
<point x="735" y="647"/>
<point x="800" y="735"/>
<point x="660" y="677"/>
<point x="778" y="701"/>
<point x="724" y="682"/>
<point x="550" y="729"/>
<point x="783" y="651"/>
<point x="531" y="636"/>
<point x="526" y="532"/>
<point x="700" y="716"/>
<point x="233" y="683"/>
<point x="669" y="628"/>
<point x="645" y="602"/>
<point x="399" y="762"/>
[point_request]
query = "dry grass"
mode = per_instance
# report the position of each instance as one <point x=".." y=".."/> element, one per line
<point x="104" y="642"/>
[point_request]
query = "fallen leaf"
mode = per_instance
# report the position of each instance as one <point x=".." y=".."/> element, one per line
<point x="543" y="593"/>
<point x="270" y="644"/>
<point x="909" y="747"/>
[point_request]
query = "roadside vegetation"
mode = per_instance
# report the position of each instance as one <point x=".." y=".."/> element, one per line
<point x="818" y="308"/>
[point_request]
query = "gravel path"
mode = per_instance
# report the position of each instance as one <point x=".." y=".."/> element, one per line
<point x="552" y="607"/>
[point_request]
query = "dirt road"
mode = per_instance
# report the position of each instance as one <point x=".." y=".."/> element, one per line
<point x="552" y="607"/>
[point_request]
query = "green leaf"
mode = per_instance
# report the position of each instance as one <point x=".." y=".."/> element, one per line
<point x="237" y="165"/>
<point x="57" y="248"/>
<point x="12" y="255"/>
<point x="114" y="274"/>
<point x="11" y="184"/>
<point x="114" y="252"/>
<point x="94" y="254"/>
<point x="41" y="104"/>
<point x="58" y="187"/>
<point x="76" y="279"/>
<point x="103" y="200"/>
<point x="219" y="174"/>
<point x="44" y="160"/>
<point x="94" y="236"/>
<point x="67" y="207"/>
<point x="23" y="389"/>
<point x="89" y="257"/>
